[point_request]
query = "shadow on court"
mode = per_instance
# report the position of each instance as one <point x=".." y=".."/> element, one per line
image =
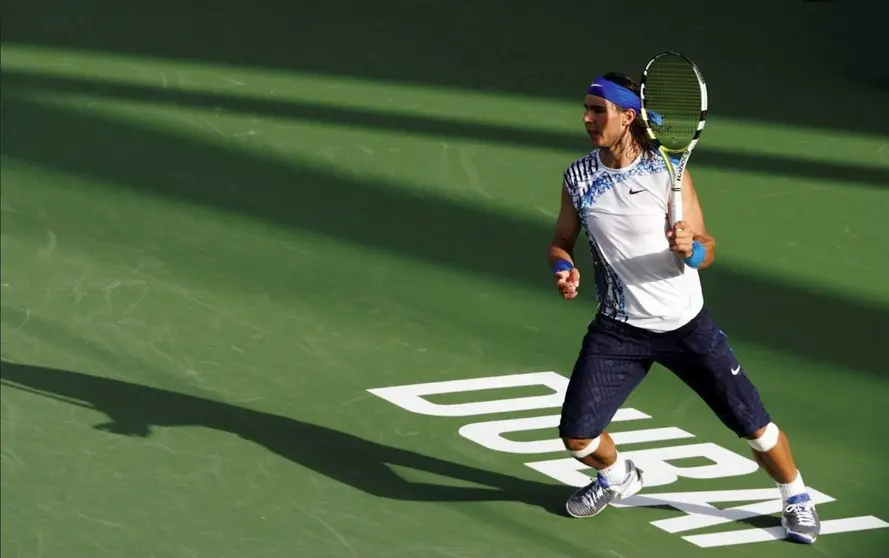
<point x="134" y="410"/>
<point x="763" y="60"/>
<point x="869" y="177"/>
<point x="504" y="247"/>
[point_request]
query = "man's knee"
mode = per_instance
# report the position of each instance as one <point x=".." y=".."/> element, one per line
<point x="765" y="439"/>
<point x="600" y="452"/>
<point x="582" y="447"/>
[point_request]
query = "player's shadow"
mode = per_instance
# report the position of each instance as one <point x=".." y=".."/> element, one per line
<point x="134" y="410"/>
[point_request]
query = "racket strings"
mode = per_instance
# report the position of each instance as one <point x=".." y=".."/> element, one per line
<point x="673" y="90"/>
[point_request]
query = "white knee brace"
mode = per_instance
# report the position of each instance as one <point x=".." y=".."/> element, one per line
<point x="767" y="441"/>
<point x="588" y="450"/>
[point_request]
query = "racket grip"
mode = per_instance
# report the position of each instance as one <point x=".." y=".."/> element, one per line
<point x="675" y="206"/>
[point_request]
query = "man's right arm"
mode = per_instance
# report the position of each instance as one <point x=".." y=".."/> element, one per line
<point x="567" y="230"/>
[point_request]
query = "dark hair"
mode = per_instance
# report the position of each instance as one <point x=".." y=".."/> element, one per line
<point x="637" y="127"/>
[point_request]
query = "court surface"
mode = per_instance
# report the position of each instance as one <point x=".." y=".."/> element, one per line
<point x="226" y="260"/>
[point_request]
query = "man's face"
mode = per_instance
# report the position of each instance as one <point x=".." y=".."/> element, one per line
<point x="603" y="121"/>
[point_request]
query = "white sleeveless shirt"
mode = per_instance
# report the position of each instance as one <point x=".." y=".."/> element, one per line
<point x="623" y="211"/>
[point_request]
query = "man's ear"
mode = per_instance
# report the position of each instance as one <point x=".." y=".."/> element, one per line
<point x="629" y="116"/>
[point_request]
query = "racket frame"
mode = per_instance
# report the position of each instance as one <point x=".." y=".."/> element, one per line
<point x="676" y="171"/>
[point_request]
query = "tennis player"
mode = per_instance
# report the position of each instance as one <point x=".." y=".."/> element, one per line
<point x="651" y="308"/>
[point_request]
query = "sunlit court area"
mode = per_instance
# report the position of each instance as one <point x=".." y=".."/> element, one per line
<point x="275" y="280"/>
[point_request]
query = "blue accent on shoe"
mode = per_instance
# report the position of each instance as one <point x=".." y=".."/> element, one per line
<point x="799" y="498"/>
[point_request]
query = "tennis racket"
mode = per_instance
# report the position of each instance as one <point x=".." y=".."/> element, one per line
<point x="674" y="108"/>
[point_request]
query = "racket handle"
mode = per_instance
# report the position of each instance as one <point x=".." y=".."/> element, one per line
<point x="675" y="206"/>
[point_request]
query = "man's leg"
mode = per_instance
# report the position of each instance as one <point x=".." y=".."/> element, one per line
<point x="771" y="450"/>
<point x="612" y="362"/>
<point x="700" y="355"/>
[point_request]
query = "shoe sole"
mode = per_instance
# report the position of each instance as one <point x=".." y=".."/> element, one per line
<point x="798" y="537"/>
<point x="803" y="539"/>
<point x="632" y="489"/>
<point x="568" y="510"/>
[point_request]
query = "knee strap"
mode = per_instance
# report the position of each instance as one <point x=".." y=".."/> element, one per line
<point x="768" y="440"/>
<point x="588" y="450"/>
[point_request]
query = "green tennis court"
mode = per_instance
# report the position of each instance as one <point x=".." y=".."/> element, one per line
<point x="274" y="281"/>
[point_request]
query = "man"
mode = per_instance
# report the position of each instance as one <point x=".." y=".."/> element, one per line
<point x="651" y="308"/>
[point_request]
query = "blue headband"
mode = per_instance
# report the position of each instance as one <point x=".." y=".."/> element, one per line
<point x="620" y="96"/>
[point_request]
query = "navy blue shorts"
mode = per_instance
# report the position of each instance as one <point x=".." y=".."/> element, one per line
<point x="615" y="357"/>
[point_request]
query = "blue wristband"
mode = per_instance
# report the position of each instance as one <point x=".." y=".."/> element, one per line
<point x="562" y="265"/>
<point x="698" y="253"/>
